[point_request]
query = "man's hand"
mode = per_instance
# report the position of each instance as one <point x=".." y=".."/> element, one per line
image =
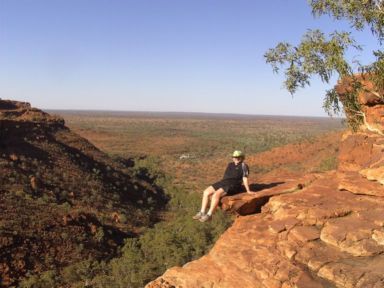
<point x="251" y="192"/>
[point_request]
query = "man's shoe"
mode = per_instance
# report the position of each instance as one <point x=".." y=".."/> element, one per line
<point x="198" y="215"/>
<point x="205" y="218"/>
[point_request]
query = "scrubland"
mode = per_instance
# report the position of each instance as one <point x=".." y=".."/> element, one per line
<point x="193" y="148"/>
<point x="184" y="153"/>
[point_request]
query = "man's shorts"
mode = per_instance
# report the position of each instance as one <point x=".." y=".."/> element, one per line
<point x="229" y="187"/>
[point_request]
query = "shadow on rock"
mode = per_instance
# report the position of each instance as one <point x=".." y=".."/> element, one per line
<point x="261" y="186"/>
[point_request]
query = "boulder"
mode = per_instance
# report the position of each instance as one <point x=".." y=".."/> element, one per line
<point x="245" y="204"/>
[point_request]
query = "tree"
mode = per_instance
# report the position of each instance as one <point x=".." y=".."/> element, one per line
<point x="324" y="55"/>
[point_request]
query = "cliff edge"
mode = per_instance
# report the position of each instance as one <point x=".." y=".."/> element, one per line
<point x="322" y="230"/>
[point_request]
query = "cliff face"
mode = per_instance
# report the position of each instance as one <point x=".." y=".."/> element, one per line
<point x="320" y="230"/>
<point x="62" y="200"/>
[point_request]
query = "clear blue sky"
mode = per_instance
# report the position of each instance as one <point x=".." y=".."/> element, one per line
<point x="155" y="55"/>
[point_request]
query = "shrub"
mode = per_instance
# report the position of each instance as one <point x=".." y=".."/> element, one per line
<point x="46" y="279"/>
<point x="163" y="246"/>
<point x="328" y="164"/>
<point x="81" y="271"/>
<point x="99" y="236"/>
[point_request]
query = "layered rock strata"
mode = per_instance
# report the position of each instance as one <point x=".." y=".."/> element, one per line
<point x="329" y="233"/>
<point x="315" y="237"/>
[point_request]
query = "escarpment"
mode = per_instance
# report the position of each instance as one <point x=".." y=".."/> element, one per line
<point x="318" y="230"/>
<point x="62" y="200"/>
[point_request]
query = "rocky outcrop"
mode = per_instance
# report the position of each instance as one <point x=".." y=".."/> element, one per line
<point x="245" y="204"/>
<point x="361" y="163"/>
<point x="57" y="196"/>
<point x="369" y="97"/>
<point x="329" y="233"/>
<point x="23" y="111"/>
<point x="361" y="158"/>
<point x="315" y="237"/>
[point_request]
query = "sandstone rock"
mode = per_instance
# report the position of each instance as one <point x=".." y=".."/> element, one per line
<point x="374" y="174"/>
<point x="315" y="255"/>
<point x="327" y="234"/>
<point x="304" y="233"/>
<point x="368" y="94"/>
<point x="361" y="272"/>
<point x="288" y="249"/>
<point x="277" y="226"/>
<point x="378" y="236"/>
<point x="305" y="281"/>
<point x="360" y="151"/>
<point x="374" y="215"/>
<point x="244" y="204"/>
<point x="341" y="274"/>
<point x="370" y="98"/>
<point x="271" y="283"/>
<point x="319" y="229"/>
<point x="354" y="182"/>
<point x="374" y="118"/>
<point x="361" y="158"/>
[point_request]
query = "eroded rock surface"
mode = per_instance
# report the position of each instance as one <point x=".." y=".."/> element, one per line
<point x="245" y="204"/>
<point x="315" y="237"/>
<point x="329" y="233"/>
<point x="361" y="163"/>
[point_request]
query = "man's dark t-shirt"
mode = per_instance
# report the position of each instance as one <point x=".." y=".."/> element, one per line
<point x="233" y="178"/>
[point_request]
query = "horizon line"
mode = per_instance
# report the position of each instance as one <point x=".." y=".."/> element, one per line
<point x="190" y="112"/>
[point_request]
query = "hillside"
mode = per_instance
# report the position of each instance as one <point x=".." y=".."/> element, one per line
<point x="62" y="200"/>
<point x="74" y="223"/>
<point x="313" y="230"/>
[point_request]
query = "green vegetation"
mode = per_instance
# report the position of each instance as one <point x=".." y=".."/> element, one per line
<point x="175" y="241"/>
<point x="147" y="153"/>
<point x="322" y="55"/>
<point x="46" y="279"/>
<point x="167" y="244"/>
<point x="207" y="141"/>
<point x="328" y="164"/>
<point x="158" y="144"/>
<point x="159" y="248"/>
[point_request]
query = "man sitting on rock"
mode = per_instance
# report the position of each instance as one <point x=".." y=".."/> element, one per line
<point x="235" y="175"/>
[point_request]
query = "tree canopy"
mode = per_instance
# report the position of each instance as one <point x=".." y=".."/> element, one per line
<point x="323" y="55"/>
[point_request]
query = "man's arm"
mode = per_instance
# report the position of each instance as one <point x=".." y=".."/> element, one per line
<point x="246" y="185"/>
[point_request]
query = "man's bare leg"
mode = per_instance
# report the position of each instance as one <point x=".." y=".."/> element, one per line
<point x="206" y="194"/>
<point x="215" y="200"/>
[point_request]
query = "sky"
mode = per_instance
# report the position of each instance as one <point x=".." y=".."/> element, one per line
<point x="157" y="55"/>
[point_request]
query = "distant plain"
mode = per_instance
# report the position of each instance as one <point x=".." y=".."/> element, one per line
<point x="193" y="148"/>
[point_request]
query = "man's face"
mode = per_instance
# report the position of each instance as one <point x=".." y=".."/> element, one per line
<point x="236" y="160"/>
